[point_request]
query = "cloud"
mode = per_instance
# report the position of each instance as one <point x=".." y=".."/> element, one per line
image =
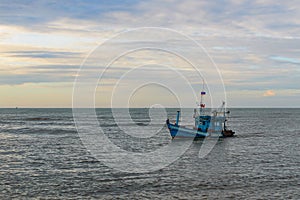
<point x="37" y="77"/>
<point x="285" y="59"/>
<point x="55" y="67"/>
<point x="269" y="93"/>
<point x="41" y="12"/>
<point x="254" y="43"/>
<point x="42" y="54"/>
<point x="254" y="18"/>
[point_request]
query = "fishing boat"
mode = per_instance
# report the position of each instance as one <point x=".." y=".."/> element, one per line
<point x="211" y="124"/>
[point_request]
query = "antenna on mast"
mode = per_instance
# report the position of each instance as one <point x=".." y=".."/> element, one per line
<point x="202" y="105"/>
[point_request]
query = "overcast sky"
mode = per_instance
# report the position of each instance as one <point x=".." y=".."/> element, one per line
<point x="255" y="44"/>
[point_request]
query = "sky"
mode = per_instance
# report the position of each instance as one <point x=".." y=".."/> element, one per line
<point x="255" y="45"/>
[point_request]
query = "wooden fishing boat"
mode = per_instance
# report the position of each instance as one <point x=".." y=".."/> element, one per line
<point x="206" y="125"/>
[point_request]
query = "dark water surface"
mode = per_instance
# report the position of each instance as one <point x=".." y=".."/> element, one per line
<point x="42" y="156"/>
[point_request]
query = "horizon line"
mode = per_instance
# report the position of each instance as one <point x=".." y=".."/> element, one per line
<point x="254" y="107"/>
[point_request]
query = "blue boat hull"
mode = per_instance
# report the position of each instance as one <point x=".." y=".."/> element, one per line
<point x="183" y="132"/>
<point x="179" y="131"/>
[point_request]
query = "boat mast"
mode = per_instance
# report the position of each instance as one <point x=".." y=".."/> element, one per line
<point x="202" y="105"/>
<point x="223" y="110"/>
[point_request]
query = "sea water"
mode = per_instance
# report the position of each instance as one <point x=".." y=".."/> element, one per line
<point x="43" y="156"/>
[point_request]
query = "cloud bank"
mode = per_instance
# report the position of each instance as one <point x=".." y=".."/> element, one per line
<point x="254" y="43"/>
